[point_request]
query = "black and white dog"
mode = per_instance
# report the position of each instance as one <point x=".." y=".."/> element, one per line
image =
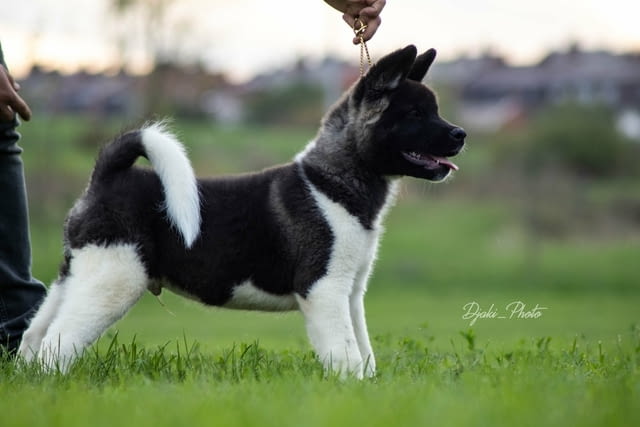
<point x="303" y="235"/>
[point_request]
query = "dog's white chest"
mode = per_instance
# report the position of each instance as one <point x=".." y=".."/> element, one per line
<point x="354" y="247"/>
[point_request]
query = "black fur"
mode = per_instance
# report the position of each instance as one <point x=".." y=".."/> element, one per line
<point x="421" y="65"/>
<point x="362" y="196"/>
<point x="262" y="226"/>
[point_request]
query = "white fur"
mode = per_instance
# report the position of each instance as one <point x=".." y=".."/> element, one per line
<point x="310" y="146"/>
<point x="169" y="160"/>
<point x="247" y="297"/>
<point x="103" y="284"/>
<point x="32" y="338"/>
<point x="334" y="307"/>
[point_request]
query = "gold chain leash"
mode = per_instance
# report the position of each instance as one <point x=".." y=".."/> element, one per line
<point x="359" y="31"/>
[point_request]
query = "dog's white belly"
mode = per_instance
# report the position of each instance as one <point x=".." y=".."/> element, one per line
<point x="247" y="296"/>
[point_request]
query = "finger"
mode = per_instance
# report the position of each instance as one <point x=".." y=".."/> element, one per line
<point x="11" y="101"/>
<point x="377" y="5"/>
<point x="15" y="102"/>
<point x="19" y="106"/>
<point x="372" y="27"/>
<point x="349" y="19"/>
<point x="369" y="13"/>
<point x="354" y="8"/>
<point x="15" y="85"/>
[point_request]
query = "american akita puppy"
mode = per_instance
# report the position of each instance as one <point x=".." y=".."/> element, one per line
<point x="301" y="236"/>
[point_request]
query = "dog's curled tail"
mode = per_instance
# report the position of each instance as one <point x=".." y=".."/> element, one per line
<point x="169" y="160"/>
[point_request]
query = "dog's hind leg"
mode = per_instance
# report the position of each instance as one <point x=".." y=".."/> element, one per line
<point x="327" y="315"/>
<point x="103" y="284"/>
<point x="39" y="324"/>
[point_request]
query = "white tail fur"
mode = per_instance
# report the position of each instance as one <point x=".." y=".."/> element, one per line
<point x="169" y="159"/>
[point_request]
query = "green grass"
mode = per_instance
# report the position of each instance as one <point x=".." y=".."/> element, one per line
<point x="578" y="364"/>
<point x="536" y="383"/>
<point x="177" y="363"/>
<point x="410" y="313"/>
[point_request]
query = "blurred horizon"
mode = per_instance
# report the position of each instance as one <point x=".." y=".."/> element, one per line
<point x="247" y="37"/>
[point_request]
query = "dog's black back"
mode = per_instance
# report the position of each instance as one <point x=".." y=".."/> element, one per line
<point x="281" y="242"/>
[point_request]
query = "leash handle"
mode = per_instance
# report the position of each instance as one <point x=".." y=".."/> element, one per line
<point x="359" y="28"/>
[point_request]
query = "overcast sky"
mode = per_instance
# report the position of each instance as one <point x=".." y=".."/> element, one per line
<point x="243" y="37"/>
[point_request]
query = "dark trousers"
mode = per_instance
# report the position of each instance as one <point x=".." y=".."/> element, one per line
<point x="20" y="294"/>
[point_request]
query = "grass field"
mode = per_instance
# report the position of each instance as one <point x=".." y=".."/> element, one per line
<point x="174" y="362"/>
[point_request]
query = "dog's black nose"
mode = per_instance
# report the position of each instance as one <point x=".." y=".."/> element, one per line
<point x="458" y="134"/>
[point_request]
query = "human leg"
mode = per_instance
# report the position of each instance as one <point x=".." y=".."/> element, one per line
<point x="20" y="293"/>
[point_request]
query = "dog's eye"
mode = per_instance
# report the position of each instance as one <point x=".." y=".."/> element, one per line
<point x="415" y="113"/>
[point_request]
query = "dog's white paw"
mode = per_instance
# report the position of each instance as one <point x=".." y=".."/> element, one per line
<point x="27" y="351"/>
<point x="344" y="365"/>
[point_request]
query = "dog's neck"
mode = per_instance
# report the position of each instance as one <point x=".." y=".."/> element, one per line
<point x="331" y="164"/>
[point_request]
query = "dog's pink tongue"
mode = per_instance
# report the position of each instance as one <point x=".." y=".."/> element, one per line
<point x="445" y="161"/>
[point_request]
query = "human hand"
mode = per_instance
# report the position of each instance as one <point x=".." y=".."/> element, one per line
<point x="10" y="102"/>
<point x="367" y="11"/>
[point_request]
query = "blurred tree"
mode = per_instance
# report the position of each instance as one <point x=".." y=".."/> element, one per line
<point x="152" y="16"/>
<point x="295" y="104"/>
<point x="581" y="139"/>
<point x="157" y="33"/>
<point x="566" y="152"/>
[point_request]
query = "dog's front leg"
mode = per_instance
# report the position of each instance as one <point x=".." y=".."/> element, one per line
<point x="356" y="303"/>
<point x="358" y="319"/>
<point x="326" y="310"/>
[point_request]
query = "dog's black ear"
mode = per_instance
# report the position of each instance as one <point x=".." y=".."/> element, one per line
<point x="421" y="65"/>
<point x="386" y="74"/>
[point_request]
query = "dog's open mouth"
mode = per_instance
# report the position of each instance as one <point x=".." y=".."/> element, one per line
<point x="429" y="161"/>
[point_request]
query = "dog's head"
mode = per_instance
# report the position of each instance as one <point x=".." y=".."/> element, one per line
<point x="393" y="119"/>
